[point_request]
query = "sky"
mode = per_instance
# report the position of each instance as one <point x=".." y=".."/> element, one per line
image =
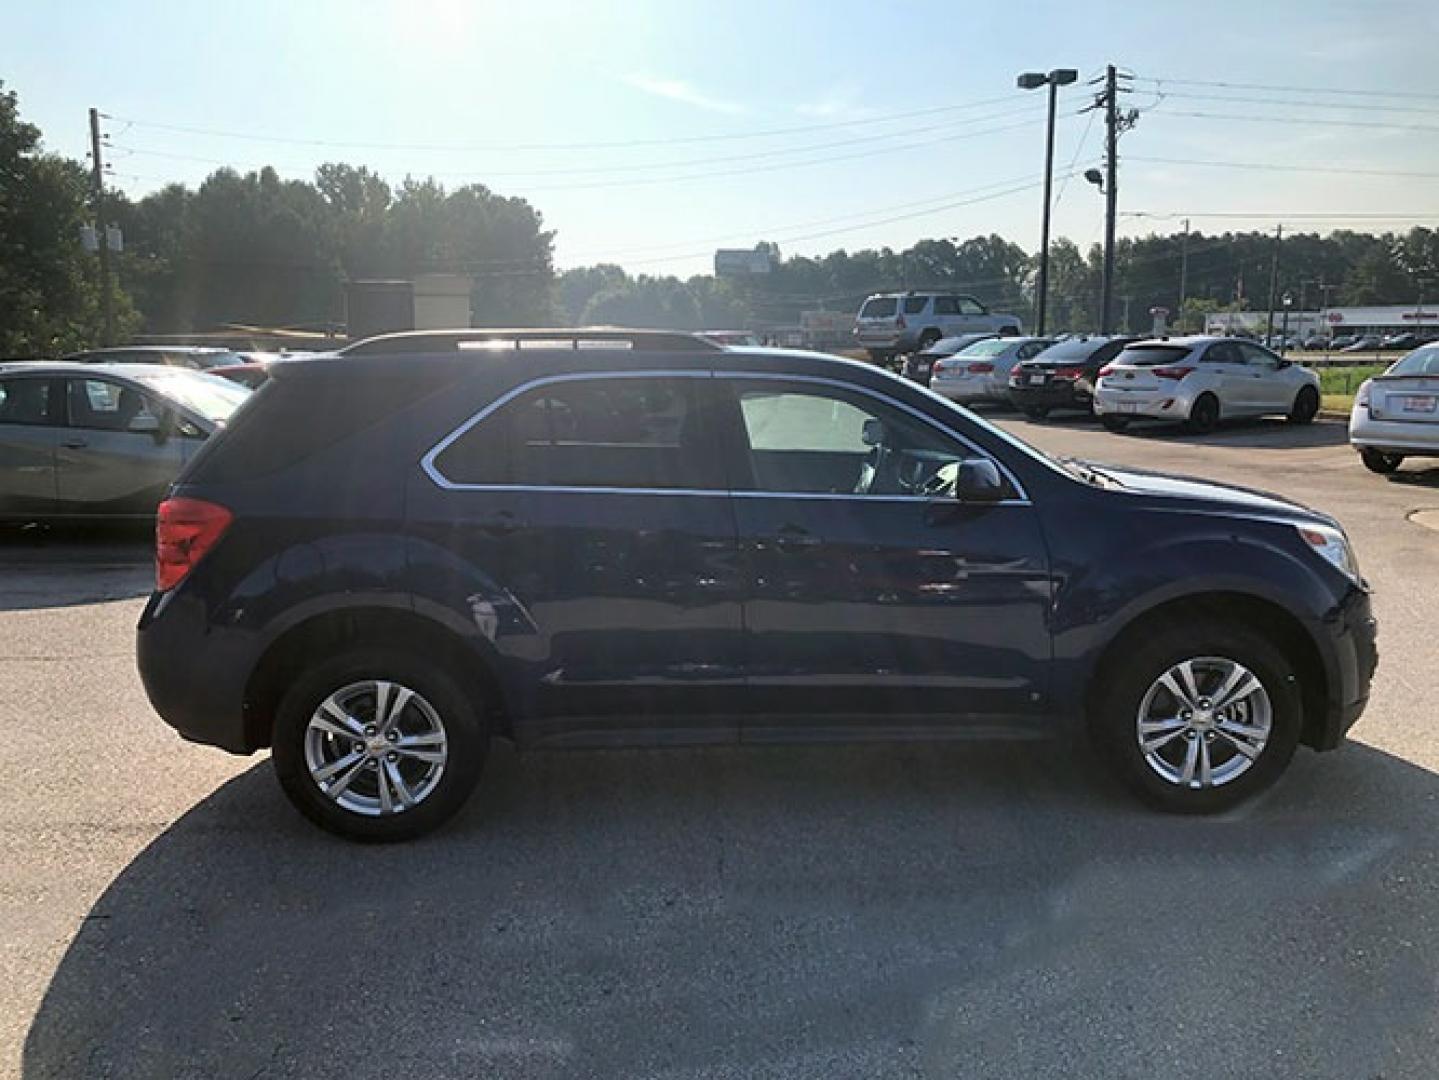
<point x="651" y="132"/>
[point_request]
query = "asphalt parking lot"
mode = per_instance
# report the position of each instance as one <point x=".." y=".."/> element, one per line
<point x="962" y="910"/>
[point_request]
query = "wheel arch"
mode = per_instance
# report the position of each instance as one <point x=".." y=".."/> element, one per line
<point x="351" y="627"/>
<point x="1277" y="622"/>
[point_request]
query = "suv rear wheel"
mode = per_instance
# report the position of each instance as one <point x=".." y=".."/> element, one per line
<point x="1306" y="406"/>
<point x="928" y="338"/>
<point x="1199" y="716"/>
<point x="378" y="744"/>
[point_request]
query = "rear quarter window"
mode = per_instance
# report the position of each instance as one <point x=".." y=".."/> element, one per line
<point x="880" y="307"/>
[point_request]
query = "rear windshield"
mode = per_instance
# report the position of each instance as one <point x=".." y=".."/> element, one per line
<point x="992" y="347"/>
<point x="878" y="307"/>
<point x="1071" y="350"/>
<point x="212" y="359"/>
<point x="212" y="397"/>
<point x="1153" y="355"/>
<point x="1420" y="362"/>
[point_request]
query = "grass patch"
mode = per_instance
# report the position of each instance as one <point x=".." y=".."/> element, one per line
<point x="1345" y="381"/>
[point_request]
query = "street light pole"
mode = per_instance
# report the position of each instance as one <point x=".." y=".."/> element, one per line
<point x="1031" y="80"/>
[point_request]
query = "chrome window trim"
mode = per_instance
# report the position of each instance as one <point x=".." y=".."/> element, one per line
<point x="427" y="463"/>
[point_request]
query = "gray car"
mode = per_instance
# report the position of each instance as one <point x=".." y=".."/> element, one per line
<point x="84" y="440"/>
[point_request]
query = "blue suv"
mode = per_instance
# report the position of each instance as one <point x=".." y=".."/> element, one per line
<point x="392" y="556"/>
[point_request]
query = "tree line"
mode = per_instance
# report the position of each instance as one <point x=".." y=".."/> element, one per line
<point x="255" y="249"/>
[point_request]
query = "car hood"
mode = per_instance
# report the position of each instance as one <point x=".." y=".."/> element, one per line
<point x="1189" y="489"/>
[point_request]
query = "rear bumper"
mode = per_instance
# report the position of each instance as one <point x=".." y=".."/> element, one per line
<point x="1052" y="395"/>
<point x="962" y="389"/>
<point x="194" y="672"/>
<point x="1155" y="404"/>
<point x="1393" y="436"/>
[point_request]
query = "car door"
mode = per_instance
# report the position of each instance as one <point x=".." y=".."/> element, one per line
<point x="120" y="452"/>
<point x="31" y="407"/>
<point x="871" y="605"/>
<point x="1229" y="377"/>
<point x="596" y="506"/>
<point x="1272" y="387"/>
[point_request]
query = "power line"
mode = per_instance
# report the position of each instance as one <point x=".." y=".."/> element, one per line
<point x="1290" y="89"/>
<point x="1271" y="167"/>
<point x="596" y="145"/>
<point x="1285" y="215"/>
<point x="643" y="166"/>
<point x="1311" y="120"/>
<point x="1171" y="94"/>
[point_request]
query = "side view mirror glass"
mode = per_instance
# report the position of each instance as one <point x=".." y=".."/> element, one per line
<point x="873" y="432"/>
<point x="144" y="424"/>
<point x="979" y="481"/>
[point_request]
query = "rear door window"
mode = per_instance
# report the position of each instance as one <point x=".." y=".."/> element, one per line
<point x="630" y="433"/>
<point x="1223" y="352"/>
<point x="946" y="305"/>
<point x="915" y="305"/>
<point x="25" y="401"/>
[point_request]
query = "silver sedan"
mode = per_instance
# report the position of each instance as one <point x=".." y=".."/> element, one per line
<point x="980" y="372"/>
<point x="1396" y="414"/>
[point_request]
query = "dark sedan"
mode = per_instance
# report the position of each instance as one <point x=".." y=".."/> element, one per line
<point x="101" y="440"/>
<point x="1063" y="376"/>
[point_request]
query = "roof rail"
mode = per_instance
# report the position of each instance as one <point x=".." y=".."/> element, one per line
<point x="480" y="338"/>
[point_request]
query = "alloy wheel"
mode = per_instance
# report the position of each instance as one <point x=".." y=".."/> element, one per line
<point x="1204" y="722"/>
<point x="376" y="748"/>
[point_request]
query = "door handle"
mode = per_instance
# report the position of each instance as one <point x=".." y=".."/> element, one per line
<point x="501" y="524"/>
<point x="792" y="538"/>
<point x="74" y="443"/>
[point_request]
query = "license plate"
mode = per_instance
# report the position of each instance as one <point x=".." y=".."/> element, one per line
<point x="1127" y="406"/>
<point x="1035" y="380"/>
<point x="1419" y="403"/>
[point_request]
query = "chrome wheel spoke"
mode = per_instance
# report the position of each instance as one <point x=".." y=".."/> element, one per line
<point x="397" y="705"/>
<point x="1238" y="686"/>
<point x="1191" y="759"/>
<point x="340" y="786"/>
<point x="382" y="783"/>
<point x="1240" y="743"/>
<point x="1155" y="734"/>
<point x="337" y="721"/>
<point x="1180" y="693"/>
<point x="324" y="774"/>
<point x="1206" y="775"/>
<point x="397" y="781"/>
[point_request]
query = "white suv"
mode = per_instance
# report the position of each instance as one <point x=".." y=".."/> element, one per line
<point x="893" y="323"/>
<point x="1201" y="380"/>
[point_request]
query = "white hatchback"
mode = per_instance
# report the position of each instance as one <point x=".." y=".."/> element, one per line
<point x="1199" y="381"/>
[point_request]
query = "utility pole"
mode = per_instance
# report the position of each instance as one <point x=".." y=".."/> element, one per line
<point x="1183" y="273"/>
<point x="1111" y="193"/>
<point x="97" y="174"/>
<point x="1273" y="281"/>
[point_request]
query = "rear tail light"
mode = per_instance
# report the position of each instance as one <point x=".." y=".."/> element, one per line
<point x="980" y="369"/>
<point x="185" y="529"/>
<point x="1105" y="372"/>
<point x="937" y="368"/>
<point x="1172" y="372"/>
<point x="899" y="322"/>
<point x="1069" y="373"/>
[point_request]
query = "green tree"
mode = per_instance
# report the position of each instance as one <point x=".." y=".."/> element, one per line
<point x="49" y="292"/>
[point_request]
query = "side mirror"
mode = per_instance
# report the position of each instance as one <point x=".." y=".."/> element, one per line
<point x="144" y="424"/>
<point x="873" y="432"/>
<point x="979" y="481"/>
<point x="1283" y="363"/>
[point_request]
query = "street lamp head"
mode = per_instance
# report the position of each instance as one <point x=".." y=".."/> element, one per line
<point x="1032" y="80"/>
<point x="1095" y="177"/>
<point x="1063" y="76"/>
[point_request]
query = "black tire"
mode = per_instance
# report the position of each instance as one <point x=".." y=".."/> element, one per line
<point x="1036" y="412"/>
<point x="1114" y="423"/>
<point x="1379" y="462"/>
<point x="928" y="338"/>
<point x="1306" y="406"/>
<point x="1140" y="661"/>
<point x="882" y="357"/>
<point x="466" y="740"/>
<point x="1204" y="414"/>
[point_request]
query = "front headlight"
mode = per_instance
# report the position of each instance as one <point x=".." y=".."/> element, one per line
<point x="1333" y="545"/>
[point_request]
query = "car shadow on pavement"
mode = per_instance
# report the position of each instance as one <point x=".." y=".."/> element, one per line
<point x="1417" y="475"/>
<point x="1265" y="434"/>
<point x="66" y="565"/>
<point x="872" y="911"/>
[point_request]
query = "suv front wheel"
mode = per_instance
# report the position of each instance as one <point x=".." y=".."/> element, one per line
<point x="378" y="744"/>
<point x="1198" y="717"/>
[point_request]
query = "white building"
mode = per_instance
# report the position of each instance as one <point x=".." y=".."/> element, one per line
<point x="1331" y="322"/>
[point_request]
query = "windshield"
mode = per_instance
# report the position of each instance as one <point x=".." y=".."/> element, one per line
<point x="210" y="396"/>
<point x="879" y="307"/>
<point x="1421" y="362"/>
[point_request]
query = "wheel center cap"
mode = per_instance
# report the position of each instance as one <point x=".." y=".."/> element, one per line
<point x="376" y="745"/>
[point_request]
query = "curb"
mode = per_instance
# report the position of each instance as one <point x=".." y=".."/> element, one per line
<point x="1333" y="414"/>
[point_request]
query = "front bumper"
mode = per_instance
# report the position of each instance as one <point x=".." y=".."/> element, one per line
<point x="1418" y="439"/>
<point x="1349" y="638"/>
